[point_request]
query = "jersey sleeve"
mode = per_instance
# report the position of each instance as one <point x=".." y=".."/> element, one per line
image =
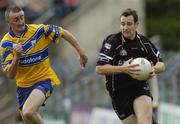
<point x="154" y="54"/>
<point x="53" y="33"/>
<point x="106" y="52"/>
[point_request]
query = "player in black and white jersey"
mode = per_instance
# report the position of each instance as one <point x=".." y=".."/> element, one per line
<point x="131" y="98"/>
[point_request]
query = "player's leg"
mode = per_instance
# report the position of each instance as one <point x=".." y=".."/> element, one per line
<point x="130" y="120"/>
<point x="32" y="105"/>
<point x="25" y="121"/>
<point x="143" y="109"/>
<point x="122" y="102"/>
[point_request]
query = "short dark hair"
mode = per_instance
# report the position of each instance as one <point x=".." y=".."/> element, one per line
<point x="12" y="8"/>
<point x="129" y="12"/>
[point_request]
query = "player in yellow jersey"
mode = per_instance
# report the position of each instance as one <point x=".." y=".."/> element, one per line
<point x="24" y="54"/>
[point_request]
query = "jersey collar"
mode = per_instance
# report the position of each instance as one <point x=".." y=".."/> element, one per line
<point x="11" y="33"/>
<point x="126" y="39"/>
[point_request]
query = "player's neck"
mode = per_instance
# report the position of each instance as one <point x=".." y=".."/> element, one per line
<point x="18" y="34"/>
<point x="132" y="37"/>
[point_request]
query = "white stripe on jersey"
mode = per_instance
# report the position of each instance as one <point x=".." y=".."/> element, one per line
<point x="157" y="54"/>
<point x="104" y="55"/>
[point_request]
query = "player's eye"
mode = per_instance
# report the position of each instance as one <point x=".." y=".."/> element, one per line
<point x="129" y="23"/>
<point x="123" y="24"/>
<point x="22" y="17"/>
<point x="15" y="19"/>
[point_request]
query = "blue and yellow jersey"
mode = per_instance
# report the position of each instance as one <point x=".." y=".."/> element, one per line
<point x="34" y="64"/>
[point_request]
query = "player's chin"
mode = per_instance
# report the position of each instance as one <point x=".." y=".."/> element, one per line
<point x="21" y="28"/>
<point x="126" y="35"/>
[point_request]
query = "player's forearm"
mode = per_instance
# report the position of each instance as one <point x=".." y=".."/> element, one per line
<point x="159" y="67"/>
<point x="108" y="69"/>
<point x="72" y="40"/>
<point x="12" y="70"/>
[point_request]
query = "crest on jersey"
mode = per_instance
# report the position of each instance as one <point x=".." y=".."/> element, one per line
<point x="33" y="42"/>
<point x="123" y="52"/>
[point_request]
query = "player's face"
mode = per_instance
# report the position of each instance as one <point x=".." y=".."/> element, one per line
<point x="16" y="22"/>
<point x="128" y="26"/>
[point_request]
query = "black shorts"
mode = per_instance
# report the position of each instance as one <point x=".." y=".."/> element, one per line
<point x="122" y="99"/>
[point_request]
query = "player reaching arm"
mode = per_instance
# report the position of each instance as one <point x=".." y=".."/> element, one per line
<point x="24" y="51"/>
<point x="73" y="41"/>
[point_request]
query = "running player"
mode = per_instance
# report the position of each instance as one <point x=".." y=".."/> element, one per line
<point x="131" y="98"/>
<point x="25" y="57"/>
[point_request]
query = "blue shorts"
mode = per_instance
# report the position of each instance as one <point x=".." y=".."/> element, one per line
<point x="23" y="93"/>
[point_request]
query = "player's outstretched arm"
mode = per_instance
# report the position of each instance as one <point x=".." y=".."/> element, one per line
<point x="73" y="41"/>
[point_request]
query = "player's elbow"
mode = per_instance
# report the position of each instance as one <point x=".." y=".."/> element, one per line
<point x="160" y="67"/>
<point x="10" y="76"/>
<point x="163" y="67"/>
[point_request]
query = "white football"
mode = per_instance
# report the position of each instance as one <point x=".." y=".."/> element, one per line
<point x="144" y="66"/>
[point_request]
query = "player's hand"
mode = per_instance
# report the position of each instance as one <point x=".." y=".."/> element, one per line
<point x="83" y="59"/>
<point x="152" y="73"/>
<point x="18" y="49"/>
<point x="130" y="69"/>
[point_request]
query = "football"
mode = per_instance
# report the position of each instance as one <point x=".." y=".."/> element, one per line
<point x="144" y="66"/>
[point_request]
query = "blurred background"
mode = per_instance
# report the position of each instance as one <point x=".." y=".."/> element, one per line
<point x="81" y="98"/>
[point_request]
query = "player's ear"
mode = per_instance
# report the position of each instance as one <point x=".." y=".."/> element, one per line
<point x="136" y="24"/>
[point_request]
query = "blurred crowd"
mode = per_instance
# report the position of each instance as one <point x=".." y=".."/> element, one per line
<point x="35" y="8"/>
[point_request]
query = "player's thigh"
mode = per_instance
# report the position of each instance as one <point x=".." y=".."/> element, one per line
<point x="130" y="120"/>
<point x="143" y="106"/>
<point x="35" y="100"/>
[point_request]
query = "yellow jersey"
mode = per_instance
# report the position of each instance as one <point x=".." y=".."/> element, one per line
<point x="34" y="64"/>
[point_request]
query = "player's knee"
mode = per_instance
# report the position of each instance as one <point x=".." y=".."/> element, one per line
<point x="147" y="119"/>
<point x="28" y="114"/>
